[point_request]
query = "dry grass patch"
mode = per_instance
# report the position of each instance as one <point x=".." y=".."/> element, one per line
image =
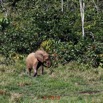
<point x="3" y="92"/>
<point x="22" y="84"/>
<point x="15" y="97"/>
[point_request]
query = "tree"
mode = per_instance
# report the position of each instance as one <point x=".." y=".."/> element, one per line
<point x="62" y="5"/>
<point x="82" y="5"/>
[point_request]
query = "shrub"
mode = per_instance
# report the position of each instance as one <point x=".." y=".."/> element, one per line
<point x="83" y="52"/>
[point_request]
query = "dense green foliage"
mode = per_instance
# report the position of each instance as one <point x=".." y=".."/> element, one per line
<point x="30" y="23"/>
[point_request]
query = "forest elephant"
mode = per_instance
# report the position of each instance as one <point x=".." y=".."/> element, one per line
<point x="37" y="59"/>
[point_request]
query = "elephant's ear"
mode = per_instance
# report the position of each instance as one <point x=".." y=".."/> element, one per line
<point x="40" y="58"/>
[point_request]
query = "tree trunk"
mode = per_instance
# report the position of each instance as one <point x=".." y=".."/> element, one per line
<point x="62" y="5"/>
<point x="82" y="16"/>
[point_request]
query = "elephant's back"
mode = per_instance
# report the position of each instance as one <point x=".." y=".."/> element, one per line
<point x="30" y="59"/>
<point x="30" y="56"/>
<point x="41" y="52"/>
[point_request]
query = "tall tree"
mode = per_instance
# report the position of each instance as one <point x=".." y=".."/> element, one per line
<point x="62" y="5"/>
<point x="82" y="5"/>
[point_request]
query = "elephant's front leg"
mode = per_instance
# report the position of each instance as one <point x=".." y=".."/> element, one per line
<point x="37" y="65"/>
<point x="35" y="69"/>
<point x="35" y="72"/>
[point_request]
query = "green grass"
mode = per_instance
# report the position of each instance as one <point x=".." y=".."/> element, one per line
<point x="73" y="83"/>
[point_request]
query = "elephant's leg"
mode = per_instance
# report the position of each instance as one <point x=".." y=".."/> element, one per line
<point x="40" y="64"/>
<point x="35" y="73"/>
<point x="36" y="68"/>
<point x="29" y="71"/>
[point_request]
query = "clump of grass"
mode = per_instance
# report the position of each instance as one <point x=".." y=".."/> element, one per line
<point x="22" y="84"/>
<point x="15" y="98"/>
<point x="3" y="92"/>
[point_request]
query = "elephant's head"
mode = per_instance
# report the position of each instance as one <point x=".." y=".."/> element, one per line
<point x="43" y="57"/>
<point x="47" y="63"/>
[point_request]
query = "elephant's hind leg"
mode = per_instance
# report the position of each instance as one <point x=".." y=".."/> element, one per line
<point x="29" y="71"/>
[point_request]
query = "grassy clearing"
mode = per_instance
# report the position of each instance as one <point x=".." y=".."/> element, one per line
<point x="72" y="83"/>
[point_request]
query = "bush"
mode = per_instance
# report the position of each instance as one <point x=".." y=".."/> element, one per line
<point x="83" y="52"/>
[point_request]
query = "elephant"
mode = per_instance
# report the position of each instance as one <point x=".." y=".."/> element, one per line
<point x="39" y="58"/>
